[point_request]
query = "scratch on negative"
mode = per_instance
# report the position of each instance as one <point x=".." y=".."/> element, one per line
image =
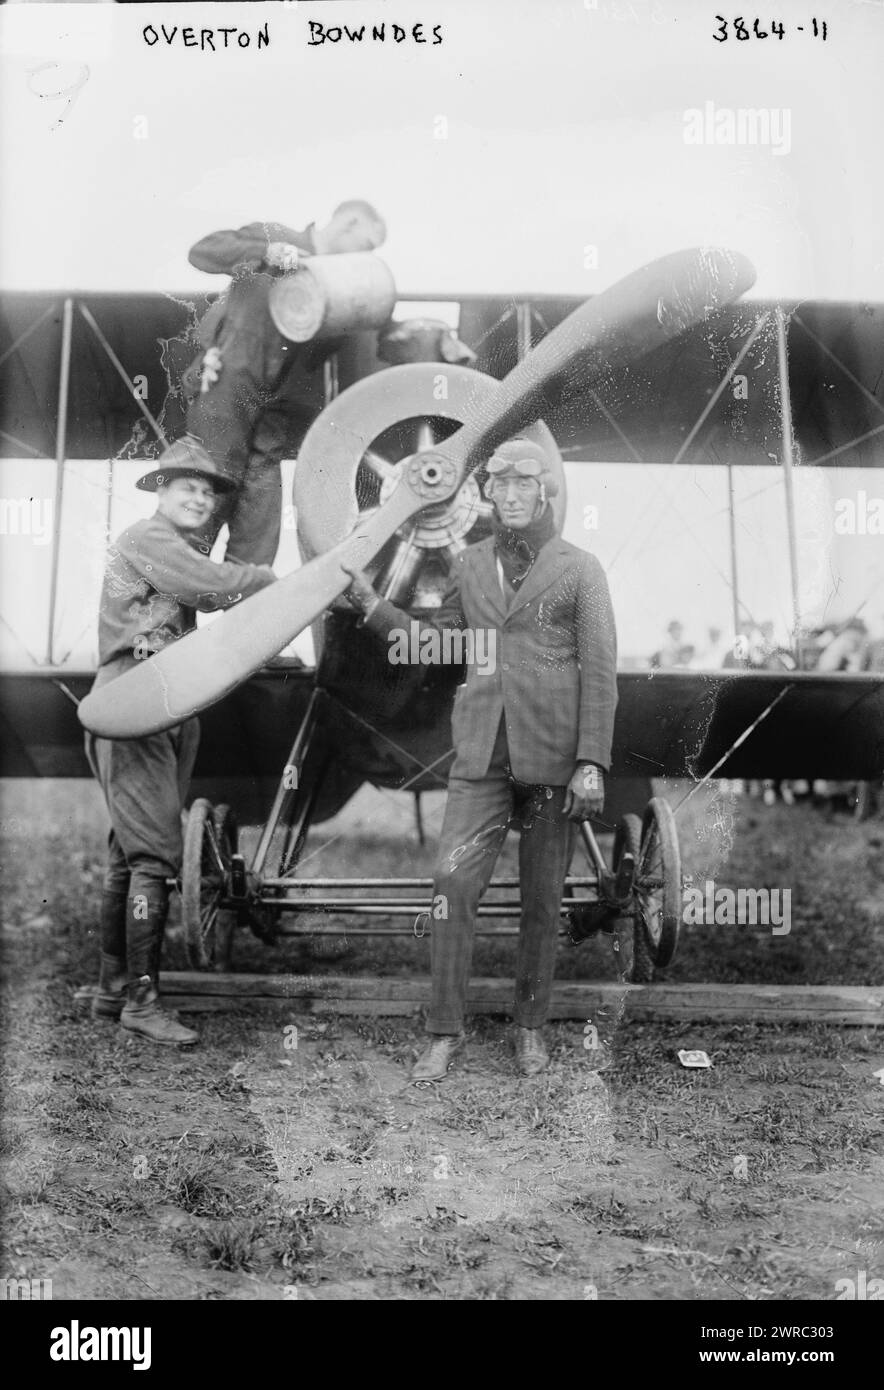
<point x="164" y="690"/>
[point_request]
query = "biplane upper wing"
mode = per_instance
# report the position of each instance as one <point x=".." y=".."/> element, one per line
<point x="834" y="372"/>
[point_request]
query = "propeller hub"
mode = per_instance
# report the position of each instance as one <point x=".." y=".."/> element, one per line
<point x="452" y="518"/>
<point x="431" y="475"/>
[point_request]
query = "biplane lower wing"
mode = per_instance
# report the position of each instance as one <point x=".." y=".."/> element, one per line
<point x="763" y="724"/>
<point x="244" y="740"/>
<point x="669" y="724"/>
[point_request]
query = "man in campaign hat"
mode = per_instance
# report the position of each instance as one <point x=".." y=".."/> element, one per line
<point x="532" y="735"/>
<point x="249" y="404"/>
<point x="156" y="580"/>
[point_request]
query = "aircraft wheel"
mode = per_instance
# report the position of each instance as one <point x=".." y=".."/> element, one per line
<point x="658" y="885"/>
<point x="209" y="843"/>
<point x="630" y="943"/>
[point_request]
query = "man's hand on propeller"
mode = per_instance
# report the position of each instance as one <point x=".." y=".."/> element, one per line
<point x="360" y="594"/>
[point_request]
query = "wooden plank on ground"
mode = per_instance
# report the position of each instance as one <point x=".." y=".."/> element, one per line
<point x="862" y="1006"/>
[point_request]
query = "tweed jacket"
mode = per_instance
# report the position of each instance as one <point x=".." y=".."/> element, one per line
<point x="554" y="677"/>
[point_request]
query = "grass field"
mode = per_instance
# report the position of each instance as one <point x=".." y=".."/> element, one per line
<point x="251" y="1169"/>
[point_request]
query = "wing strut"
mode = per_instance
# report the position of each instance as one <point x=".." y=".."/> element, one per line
<point x="64" y="381"/>
<point x="788" y="462"/>
<point x="736" y="744"/>
<point x="67" y="327"/>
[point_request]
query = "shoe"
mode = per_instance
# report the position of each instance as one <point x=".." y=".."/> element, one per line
<point x="437" y="1056"/>
<point x="110" y="992"/>
<point x="531" y="1053"/>
<point x="144" y="1015"/>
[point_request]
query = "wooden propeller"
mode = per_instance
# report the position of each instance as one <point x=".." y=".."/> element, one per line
<point x="623" y="323"/>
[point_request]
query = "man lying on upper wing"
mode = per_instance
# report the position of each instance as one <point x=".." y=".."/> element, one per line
<point x="244" y="408"/>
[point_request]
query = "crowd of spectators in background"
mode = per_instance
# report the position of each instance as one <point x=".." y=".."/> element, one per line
<point x="846" y="646"/>
<point x="843" y="646"/>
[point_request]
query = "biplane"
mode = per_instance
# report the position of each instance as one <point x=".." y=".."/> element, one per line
<point x="77" y="373"/>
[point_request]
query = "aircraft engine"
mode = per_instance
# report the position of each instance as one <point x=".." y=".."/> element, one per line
<point x="354" y="454"/>
<point x="349" y="463"/>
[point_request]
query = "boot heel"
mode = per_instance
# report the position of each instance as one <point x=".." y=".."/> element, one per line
<point x="144" y="1015"/>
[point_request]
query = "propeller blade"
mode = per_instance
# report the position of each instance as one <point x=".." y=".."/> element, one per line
<point x="207" y="664"/>
<point x="623" y="323"/>
<point x="618" y="326"/>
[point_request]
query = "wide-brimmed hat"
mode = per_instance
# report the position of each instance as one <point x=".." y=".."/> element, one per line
<point x="186" y="458"/>
<point x="521" y="458"/>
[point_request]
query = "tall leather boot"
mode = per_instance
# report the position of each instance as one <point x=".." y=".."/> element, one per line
<point x="145" y="922"/>
<point x="110" y="995"/>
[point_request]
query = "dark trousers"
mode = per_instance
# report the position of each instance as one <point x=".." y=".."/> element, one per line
<point x="253" y="514"/>
<point x="145" y="782"/>
<point x="478" y="815"/>
<point x="238" y="424"/>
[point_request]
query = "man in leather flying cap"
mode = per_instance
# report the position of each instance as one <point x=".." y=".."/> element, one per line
<point x="532" y="738"/>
